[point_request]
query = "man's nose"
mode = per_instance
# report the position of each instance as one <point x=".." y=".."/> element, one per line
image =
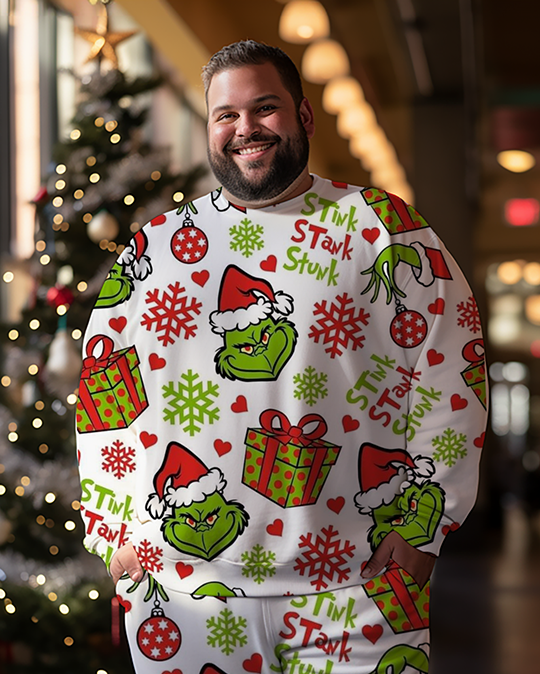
<point x="247" y="126"/>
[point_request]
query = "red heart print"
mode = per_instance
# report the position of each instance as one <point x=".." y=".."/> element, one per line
<point x="436" y="307"/>
<point x="174" y="671"/>
<point x="253" y="664"/>
<point x="79" y="456"/>
<point x="371" y="235"/>
<point x="434" y="357"/>
<point x="350" y="424"/>
<point x="125" y="603"/>
<point x="275" y="528"/>
<point x="448" y="528"/>
<point x="158" y="220"/>
<point x="458" y="403"/>
<point x="372" y="632"/>
<point x="222" y="447"/>
<point x="336" y="504"/>
<point x="239" y="405"/>
<point x="148" y="439"/>
<point x="183" y="570"/>
<point x="200" y="277"/>
<point x="479" y="441"/>
<point x="269" y="264"/>
<point x="156" y="362"/>
<point x="118" y="324"/>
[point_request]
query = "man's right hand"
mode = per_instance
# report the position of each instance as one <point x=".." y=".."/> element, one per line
<point x="125" y="560"/>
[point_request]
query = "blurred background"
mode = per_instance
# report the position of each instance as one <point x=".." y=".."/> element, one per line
<point x="102" y="127"/>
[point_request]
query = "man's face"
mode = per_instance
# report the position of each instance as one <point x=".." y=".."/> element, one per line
<point x="257" y="139"/>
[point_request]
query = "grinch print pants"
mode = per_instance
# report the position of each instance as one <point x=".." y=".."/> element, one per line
<point x="344" y="631"/>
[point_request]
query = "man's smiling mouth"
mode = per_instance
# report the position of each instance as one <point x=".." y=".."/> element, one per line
<point x="252" y="150"/>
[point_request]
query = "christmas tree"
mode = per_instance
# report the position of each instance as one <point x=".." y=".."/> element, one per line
<point x="106" y="181"/>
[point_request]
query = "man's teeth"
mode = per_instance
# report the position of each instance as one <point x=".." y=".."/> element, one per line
<point x="252" y="150"/>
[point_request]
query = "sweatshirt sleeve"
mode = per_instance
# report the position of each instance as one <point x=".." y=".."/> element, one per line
<point x="111" y="397"/>
<point x="446" y="417"/>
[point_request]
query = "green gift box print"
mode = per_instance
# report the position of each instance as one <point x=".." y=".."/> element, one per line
<point x="287" y="464"/>
<point x="404" y="605"/>
<point x="393" y="212"/>
<point x="111" y="391"/>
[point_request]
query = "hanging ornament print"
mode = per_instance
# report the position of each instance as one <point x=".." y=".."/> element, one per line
<point x="189" y="244"/>
<point x="158" y="637"/>
<point x="408" y="327"/>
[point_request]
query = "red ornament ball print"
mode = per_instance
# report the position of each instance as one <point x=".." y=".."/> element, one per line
<point x="159" y="637"/>
<point x="408" y="328"/>
<point x="189" y="244"/>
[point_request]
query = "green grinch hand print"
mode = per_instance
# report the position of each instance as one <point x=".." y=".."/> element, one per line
<point x="257" y="353"/>
<point x="195" y="516"/>
<point x="384" y="268"/>
<point x="397" y="659"/>
<point x="258" y="339"/>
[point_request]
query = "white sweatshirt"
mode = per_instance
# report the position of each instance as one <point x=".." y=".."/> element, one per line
<point x="266" y="393"/>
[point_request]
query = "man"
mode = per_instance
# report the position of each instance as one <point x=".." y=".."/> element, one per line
<point x="281" y="419"/>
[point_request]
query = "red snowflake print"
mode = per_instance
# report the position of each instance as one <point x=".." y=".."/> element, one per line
<point x="324" y="558"/>
<point x="470" y="316"/>
<point x="171" y="314"/>
<point x="150" y="557"/>
<point x="118" y="459"/>
<point x="338" y="325"/>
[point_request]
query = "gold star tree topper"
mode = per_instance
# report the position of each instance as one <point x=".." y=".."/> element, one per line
<point x="103" y="41"/>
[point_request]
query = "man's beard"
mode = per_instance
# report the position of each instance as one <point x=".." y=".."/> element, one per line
<point x="290" y="159"/>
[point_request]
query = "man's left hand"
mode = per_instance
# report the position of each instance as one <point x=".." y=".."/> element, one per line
<point x="416" y="563"/>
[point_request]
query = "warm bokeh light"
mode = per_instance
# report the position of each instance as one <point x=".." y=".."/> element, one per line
<point x="531" y="273"/>
<point x="323" y="60"/>
<point x="302" y="21"/>
<point x="532" y="309"/>
<point x="517" y="161"/>
<point x="509" y="272"/>
<point x="341" y="93"/>
<point x="356" y="119"/>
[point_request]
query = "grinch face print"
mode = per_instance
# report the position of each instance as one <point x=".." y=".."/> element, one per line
<point x="258" y="338"/>
<point x="396" y="492"/>
<point x="133" y="264"/>
<point x="196" y="517"/>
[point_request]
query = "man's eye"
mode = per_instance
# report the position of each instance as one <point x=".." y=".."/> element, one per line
<point x="397" y="521"/>
<point x="191" y="522"/>
<point x="265" y="338"/>
<point x="248" y="348"/>
<point x="211" y="519"/>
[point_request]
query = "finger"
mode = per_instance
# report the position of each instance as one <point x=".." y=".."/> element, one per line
<point x="133" y="566"/>
<point x="379" y="559"/>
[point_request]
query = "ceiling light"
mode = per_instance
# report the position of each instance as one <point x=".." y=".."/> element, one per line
<point x="356" y="119"/>
<point x="323" y="60"/>
<point x="340" y="93"/>
<point x="531" y="273"/>
<point x="532" y="309"/>
<point x="363" y="144"/>
<point x="516" y="161"/>
<point x="303" y="21"/>
<point x="509" y="272"/>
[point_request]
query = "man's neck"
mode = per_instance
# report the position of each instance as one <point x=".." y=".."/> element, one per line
<point x="297" y="187"/>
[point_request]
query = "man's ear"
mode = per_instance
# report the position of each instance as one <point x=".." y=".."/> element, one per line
<point x="307" y="117"/>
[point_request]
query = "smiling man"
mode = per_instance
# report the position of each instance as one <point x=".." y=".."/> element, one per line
<point x="272" y="450"/>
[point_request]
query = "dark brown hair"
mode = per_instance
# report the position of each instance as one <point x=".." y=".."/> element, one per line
<point x="249" y="52"/>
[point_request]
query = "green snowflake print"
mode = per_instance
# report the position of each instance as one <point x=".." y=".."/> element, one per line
<point x="191" y="402"/>
<point x="449" y="447"/>
<point x="310" y="386"/>
<point x="226" y="631"/>
<point x="258" y="563"/>
<point x="246" y="238"/>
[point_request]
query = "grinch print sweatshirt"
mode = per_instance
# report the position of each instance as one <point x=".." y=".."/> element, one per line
<point x="267" y="393"/>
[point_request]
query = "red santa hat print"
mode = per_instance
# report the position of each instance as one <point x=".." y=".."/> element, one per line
<point x="134" y="257"/>
<point x="182" y="480"/>
<point x="246" y="300"/>
<point x="384" y="473"/>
